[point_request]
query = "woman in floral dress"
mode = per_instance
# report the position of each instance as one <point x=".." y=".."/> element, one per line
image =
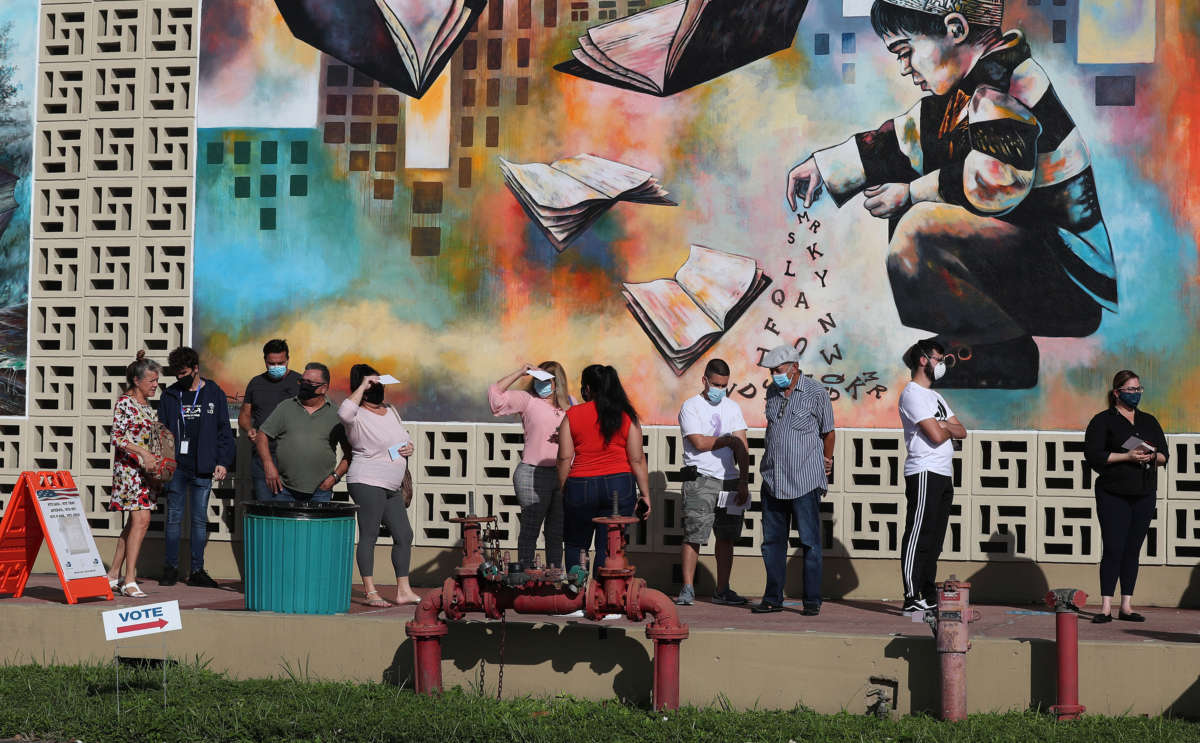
<point x="133" y="423"/>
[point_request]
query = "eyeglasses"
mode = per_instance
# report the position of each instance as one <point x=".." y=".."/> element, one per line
<point x="1135" y="390"/>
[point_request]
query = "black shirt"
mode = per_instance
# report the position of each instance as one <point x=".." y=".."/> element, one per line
<point x="264" y="393"/>
<point x="190" y="426"/>
<point x="1107" y="433"/>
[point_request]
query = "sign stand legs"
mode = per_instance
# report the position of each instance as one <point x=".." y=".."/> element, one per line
<point x="117" y="664"/>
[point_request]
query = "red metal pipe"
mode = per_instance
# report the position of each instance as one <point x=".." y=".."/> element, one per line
<point x="953" y="613"/>
<point x="667" y="633"/>
<point x="1066" y="625"/>
<point x="427" y="631"/>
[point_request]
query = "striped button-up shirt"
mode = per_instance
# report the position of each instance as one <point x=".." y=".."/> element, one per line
<point x="794" y="461"/>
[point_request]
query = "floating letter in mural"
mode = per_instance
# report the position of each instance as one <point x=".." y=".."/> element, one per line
<point x="686" y="315"/>
<point x="404" y="44"/>
<point x="994" y="221"/>
<point x="565" y="197"/>
<point x="684" y="43"/>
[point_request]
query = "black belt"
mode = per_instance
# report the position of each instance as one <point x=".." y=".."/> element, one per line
<point x="725" y="484"/>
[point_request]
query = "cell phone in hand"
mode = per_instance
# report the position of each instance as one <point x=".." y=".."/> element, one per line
<point x="640" y="509"/>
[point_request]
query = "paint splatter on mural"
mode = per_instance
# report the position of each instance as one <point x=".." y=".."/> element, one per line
<point x="312" y="226"/>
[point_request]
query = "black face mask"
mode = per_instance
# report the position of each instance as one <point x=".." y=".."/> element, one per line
<point x="308" y="390"/>
<point x="374" y="394"/>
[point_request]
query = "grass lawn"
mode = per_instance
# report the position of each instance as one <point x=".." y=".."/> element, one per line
<point x="79" y="702"/>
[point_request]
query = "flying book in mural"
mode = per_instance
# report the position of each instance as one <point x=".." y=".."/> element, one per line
<point x="404" y="44"/>
<point x="686" y="315"/>
<point x="565" y="197"/>
<point x="675" y="46"/>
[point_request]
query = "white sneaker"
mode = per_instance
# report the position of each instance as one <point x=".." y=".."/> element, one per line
<point x="576" y="613"/>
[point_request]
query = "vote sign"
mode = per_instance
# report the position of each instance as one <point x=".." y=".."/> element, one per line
<point x="146" y="619"/>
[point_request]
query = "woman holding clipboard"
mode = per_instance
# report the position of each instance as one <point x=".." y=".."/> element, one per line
<point x="1125" y="446"/>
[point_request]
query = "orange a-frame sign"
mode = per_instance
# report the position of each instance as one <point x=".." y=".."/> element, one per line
<point x="23" y="528"/>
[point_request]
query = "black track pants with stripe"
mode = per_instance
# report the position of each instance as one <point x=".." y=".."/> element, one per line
<point x="929" y="498"/>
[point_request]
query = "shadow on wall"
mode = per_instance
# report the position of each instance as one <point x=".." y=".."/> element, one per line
<point x="1187" y="706"/>
<point x="602" y="648"/>
<point x="1191" y="595"/>
<point x="1005" y="580"/>
<point x="924" y="672"/>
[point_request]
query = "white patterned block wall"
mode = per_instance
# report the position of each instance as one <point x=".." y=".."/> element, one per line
<point x="111" y="273"/>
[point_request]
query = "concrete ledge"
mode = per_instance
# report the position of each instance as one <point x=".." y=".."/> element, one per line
<point x="828" y="672"/>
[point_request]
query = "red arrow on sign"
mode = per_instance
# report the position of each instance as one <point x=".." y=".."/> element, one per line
<point x="145" y="625"/>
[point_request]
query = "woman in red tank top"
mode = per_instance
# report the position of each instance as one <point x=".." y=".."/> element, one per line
<point x="599" y="454"/>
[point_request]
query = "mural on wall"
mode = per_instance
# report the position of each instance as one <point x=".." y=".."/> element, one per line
<point x="429" y="236"/>
<point x="18" y="44"/>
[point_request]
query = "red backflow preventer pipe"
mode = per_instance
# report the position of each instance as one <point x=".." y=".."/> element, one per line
<point x="1066" y="602"/>
<point x="488" y="585"/>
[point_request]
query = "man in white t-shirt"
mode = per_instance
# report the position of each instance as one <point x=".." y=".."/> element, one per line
<point x="929" y="427"/>
<point x="716" y="475"/>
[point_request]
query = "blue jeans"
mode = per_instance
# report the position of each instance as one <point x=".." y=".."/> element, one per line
<point x="588" y="497"/>
<point x="259" y="476"/>
<point x="777" y="519"/>
<point x="287" y="495"/>
<point x="187" y="487"/>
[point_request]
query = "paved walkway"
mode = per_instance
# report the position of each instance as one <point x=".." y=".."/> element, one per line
<point x="843" y="617"/>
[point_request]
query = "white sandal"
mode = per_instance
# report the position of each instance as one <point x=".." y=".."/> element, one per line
<point x="114" y="585"/>
<point x="132" y="591"/>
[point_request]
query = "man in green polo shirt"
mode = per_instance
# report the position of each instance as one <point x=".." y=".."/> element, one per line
<point x="306" y="432"/>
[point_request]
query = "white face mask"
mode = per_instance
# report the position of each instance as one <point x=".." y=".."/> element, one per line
<point x="939" y="370"/>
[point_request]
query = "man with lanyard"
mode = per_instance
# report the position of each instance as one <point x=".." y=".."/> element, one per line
<point x="195" y="410"/>
<point x="306" y="431"/>
<point x="795" y="467"/>
<point x="263" y="393"/>
<point x="715" y="476"/>
<point x="929" y="426"/>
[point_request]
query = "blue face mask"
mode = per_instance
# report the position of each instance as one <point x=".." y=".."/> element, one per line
<point x="543" y="388"/>
<point x="781" y="380"/>
<point x="277" y="372"/>
<point x="715" y="394"/>
<point x="1130" y="398"/>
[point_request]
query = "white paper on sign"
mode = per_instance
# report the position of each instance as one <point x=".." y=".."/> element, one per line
<point x="388" y="379"/>
<point x="539" y="375"/>
<point x="147" y="619"/>
<point x="727" y="499"/>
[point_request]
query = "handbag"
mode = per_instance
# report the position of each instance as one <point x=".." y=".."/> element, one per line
<point x="162" y="446"/>
<point x="406" y="487"/>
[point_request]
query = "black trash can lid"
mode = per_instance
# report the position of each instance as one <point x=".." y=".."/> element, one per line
<point x="300" y="509"/>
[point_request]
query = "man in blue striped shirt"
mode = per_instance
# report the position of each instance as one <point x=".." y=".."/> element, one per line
<point x="795" y="469"/>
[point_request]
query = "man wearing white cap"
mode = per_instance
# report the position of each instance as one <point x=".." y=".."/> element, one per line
<point x="795" y="467"/>
<point x="994" y="225"/>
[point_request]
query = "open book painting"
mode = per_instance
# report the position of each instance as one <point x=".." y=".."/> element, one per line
<point x="404" y="44"/>
<point x="675" y="46"/>
<point x="686" y="315"/>
<point x="565" y="197"/>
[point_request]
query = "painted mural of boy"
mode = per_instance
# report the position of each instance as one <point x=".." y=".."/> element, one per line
<point x="995" y="226"/>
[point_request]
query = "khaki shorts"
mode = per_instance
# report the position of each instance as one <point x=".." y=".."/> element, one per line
<point x="701" y="517"/>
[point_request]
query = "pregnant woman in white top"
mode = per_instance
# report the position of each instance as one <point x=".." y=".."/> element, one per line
<point x="379" y="480"/>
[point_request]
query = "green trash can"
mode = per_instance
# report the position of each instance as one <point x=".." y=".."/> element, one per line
<point x="299" y="557"/>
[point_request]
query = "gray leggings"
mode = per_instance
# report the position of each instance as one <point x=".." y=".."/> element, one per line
<point x="375" y="506"/>
<point x="541" y="505"/>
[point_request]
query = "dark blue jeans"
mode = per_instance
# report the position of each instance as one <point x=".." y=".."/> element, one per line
<point x="778" y="517"/>
<point x="186" y="487"/>
<point x="585" y="498"/>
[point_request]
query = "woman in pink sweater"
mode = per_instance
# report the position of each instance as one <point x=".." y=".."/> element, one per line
<point x="541" y="408"/>
<point x="378" y="480"/>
